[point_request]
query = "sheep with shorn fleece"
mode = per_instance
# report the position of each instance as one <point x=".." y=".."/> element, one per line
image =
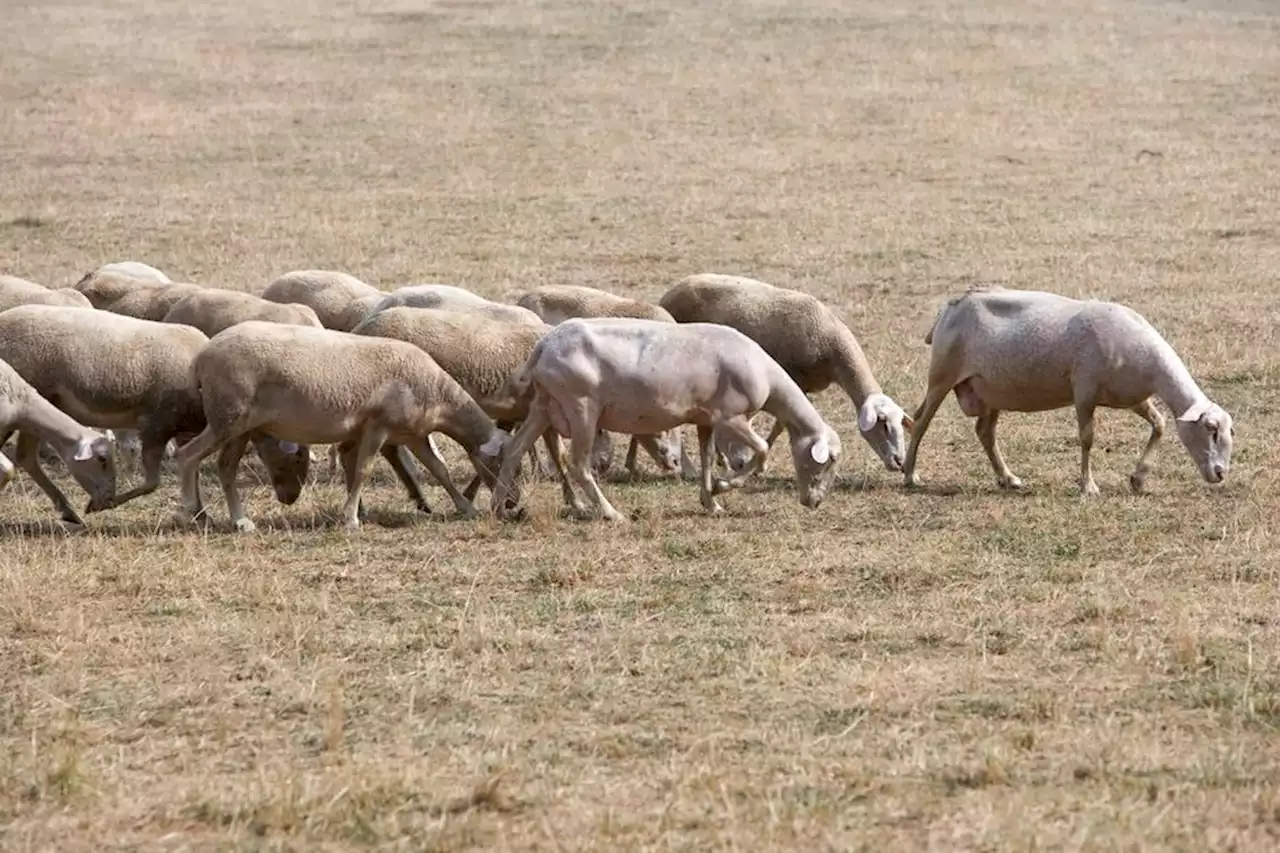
<point x="1032" y="351"/>
<point x="806" y="338"/>
<point x="111" y="281"/>
<point x="455" y="299"/>
<point x="111" y="371"/>
<point x="482" y="354"/>
<point x="339" y="299"/>
<point x="18" y="291"/>
<point x="86" y="452"/>
<point x="555" y="303"/>
<point x="319" y="386"/>
<point x="645" y="376"/>
<point x="211" y="311"/>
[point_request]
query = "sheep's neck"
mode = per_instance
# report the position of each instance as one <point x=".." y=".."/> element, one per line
<point x="852" y="372"/>
<point x="469" y="426"/>
<point x="790" y="406"/>
<point x="51" y="424"/>
<point x="1174" y="385"/>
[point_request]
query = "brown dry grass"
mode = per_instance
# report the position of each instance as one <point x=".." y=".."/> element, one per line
<point x="957" y="669"/>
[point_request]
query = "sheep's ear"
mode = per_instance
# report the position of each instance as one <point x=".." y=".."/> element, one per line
<point x="84" y="450"/>
<point x="867" y="416"/>
<point x="820" y="451"/>
<point x="494" y="445"/>
<point x="288" y="447"/>
<point x="1196" y="412"/>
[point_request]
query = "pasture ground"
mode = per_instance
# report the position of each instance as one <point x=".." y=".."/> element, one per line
<point x="953" y="669"/>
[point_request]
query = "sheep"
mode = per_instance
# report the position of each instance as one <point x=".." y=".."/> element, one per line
<point x="555" y="303"/>
<point x="481" y="354"/>
<point x="1032" y="351"/>
<point x="108" y="370"/>
<point x="340" y="300"/>
<point x="456" y="299"/>
<point x="109" y="282"/>
<point x="19" y="291"/>
<point x="152" y="301"/>
<point x="641" y="376"/>
<point x="806" y="338"/>
<point x="319" y="386"/>
<point x="211" y="311"/>
<point x="86" y="452"/>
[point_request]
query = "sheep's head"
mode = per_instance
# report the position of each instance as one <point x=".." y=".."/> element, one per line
<point x="488" y="458"/>
<point x="287" y="464"/>
<point x="885" y="425"/>
<point x="816" y="459"/>
<point x="1206" y="431"/>
<point x="93" y="465"/>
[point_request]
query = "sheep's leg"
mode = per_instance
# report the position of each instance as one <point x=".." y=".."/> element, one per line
<point x="1084" y="417"/>
<point x="582" y="421"/>
<point x="370" y="443"/>
<point x="426" y="452"/>
<point x="537" y="422"/>
<point x="334" y="454"/>
<point x="6" y="471"/>
<point x="985" y="427"/>
<point x="398" y="460"/>
<point x="152" y="457"/>
<point x="228" y="467"/>
<point x="933" y="400"/>
<point x="632" y="463"/>
<point x="555" y="449"/>
<point x="740" y="428"/>
<point x="706" y="452"/>
<point x="29" y="460"/>
<point x="1149" y="413"/>
<point x="189" y="457"/>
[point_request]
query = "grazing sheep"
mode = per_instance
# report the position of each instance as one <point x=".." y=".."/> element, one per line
<point x="19" y="291"/>
<point x="211" y="311"/>
<point x="555" y="303"/>
<point x="643" y="376"/>
<point x="806" y="338"/>
<point x="456" y="299"/>
<point x="151" y="301"/>
<point x="107" y="370"/>
<point x="1031" y="351"/>
<point x="109" y="282"/>
<point x="331" y="294"/>
<point x="481" y="354"/>
<point x="86" y="452"/>
<point x="318" y="386"/>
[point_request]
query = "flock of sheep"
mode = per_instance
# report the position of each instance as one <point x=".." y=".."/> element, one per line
<point x="320" y="357"/>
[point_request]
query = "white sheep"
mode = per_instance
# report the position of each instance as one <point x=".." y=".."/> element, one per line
<point x="481" y="354"/>
<point x="151" y="301"/>
<point x="19" y="291"/>
<point x="1031" y="351"/>
<point x="86" y="452"/>
<point x="340" y="300"/>
<point x="555" y="303"/>
<point x="455" y="299"/>
<point x="806" y="338"/>
<point x="211" y="311"/>
<point x="108" y="370"/>
<point x="643" y="376"/>
<point x="319" y="386"/>
<point x="109" y="282"/>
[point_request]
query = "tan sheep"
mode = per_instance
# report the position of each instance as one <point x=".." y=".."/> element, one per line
<point x="86" y="452"/>
<point x="211" y="311"/>
<point x="19" y="291"/>
<point x="340" y="300"/>
<point x="108" y="370"/>
<point x="151" y="301"/>
<point x="807" y="339"/>
<point x="319" y="386"/>
<point x="456" y="299"/>
<point x="109" y="282"/>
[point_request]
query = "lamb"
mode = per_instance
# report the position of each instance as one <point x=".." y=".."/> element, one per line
<point x="642" y="376"/>
<point x="806" y="338"/>
<point x="211" y="311"/>
<point x="555" y="303"/>
<point x="1032" y="351"/>
<point x="109" y="282"/>
<point x="152" y="301"/>
<point x="481" y="354"/>
<point x="319" y="386"/>
<point x="456" y="299"/>
<point x="86" y="452"/>
<point x="108" y="370"/>
<point x="19" y="291"/>
<point x="340" y="300"/>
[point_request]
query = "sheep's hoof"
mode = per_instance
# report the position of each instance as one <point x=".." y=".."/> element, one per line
<point x="70" y="525"/>
<point x="1137" y="482"/>
<point x="616" y="518"/>
<point x="911" y="481"/>
<point x="1011" y="482"/>
<point x="244" y="525"/>
<point x="1089" y="490"/>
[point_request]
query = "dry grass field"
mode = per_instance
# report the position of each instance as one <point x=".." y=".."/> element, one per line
<point x="952" y="669"/>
